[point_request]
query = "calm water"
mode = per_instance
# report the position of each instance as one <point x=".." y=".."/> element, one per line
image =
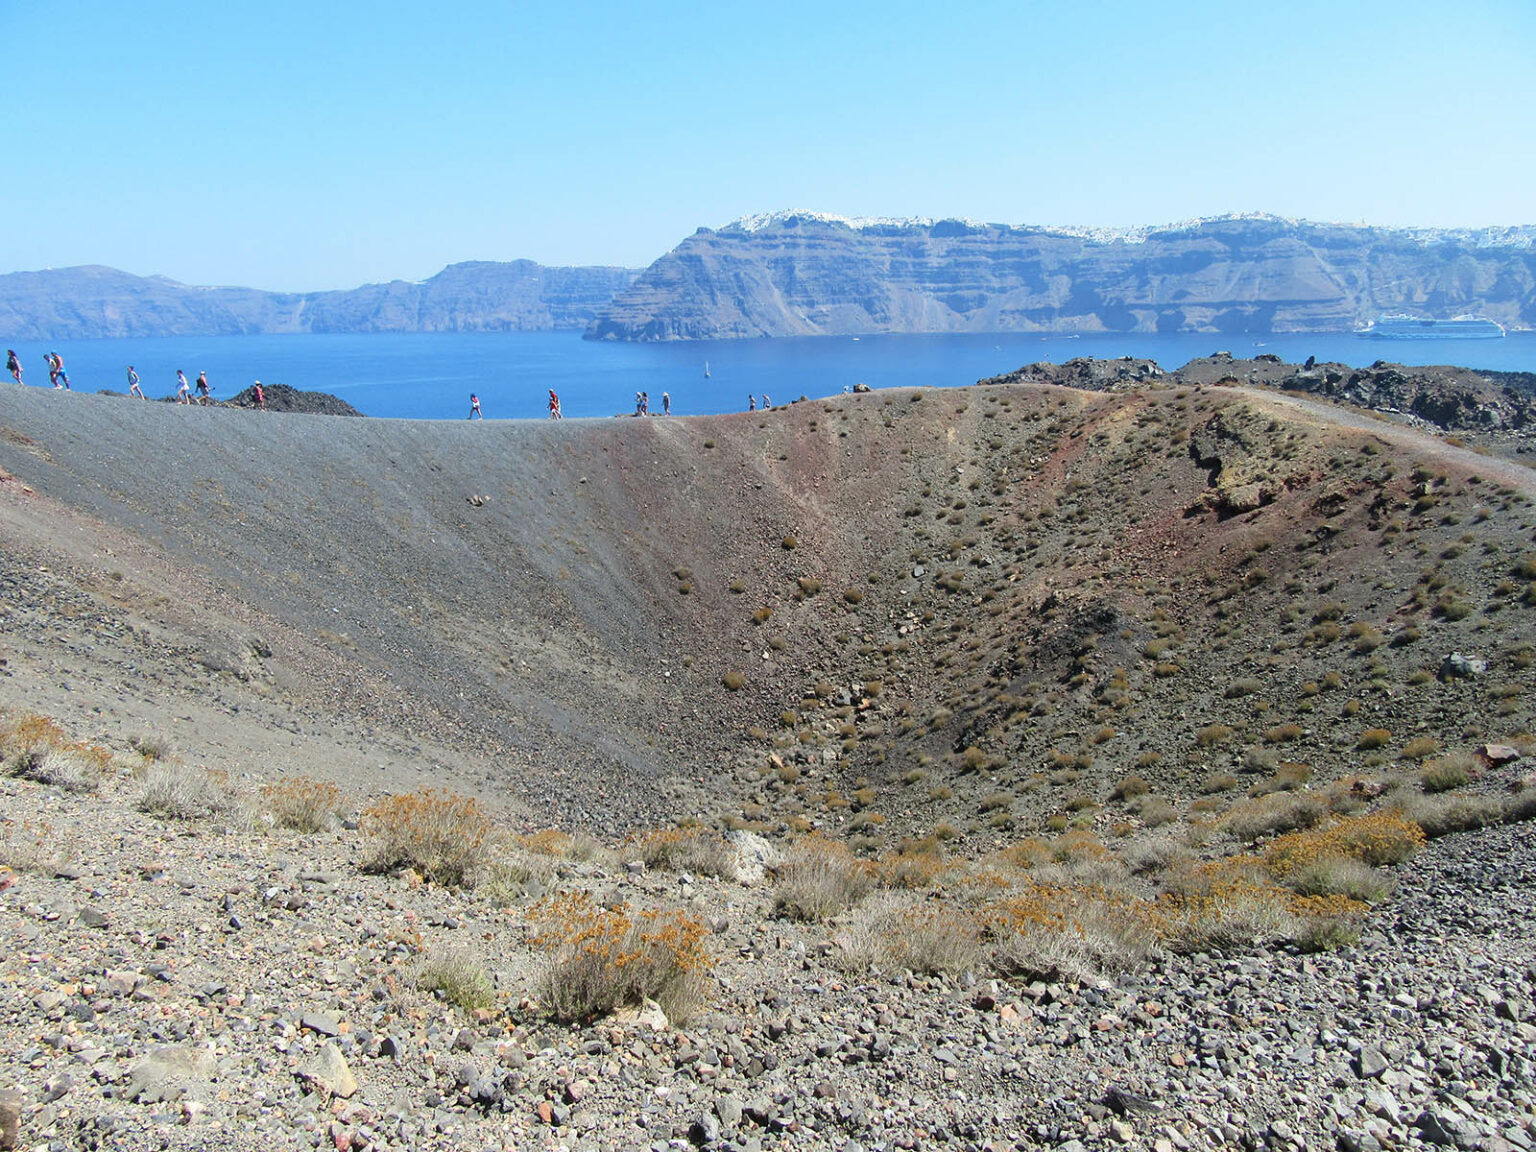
<point x="430" y="376"/>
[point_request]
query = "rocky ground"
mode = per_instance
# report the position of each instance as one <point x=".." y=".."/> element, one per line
<point x="176" y="985"/>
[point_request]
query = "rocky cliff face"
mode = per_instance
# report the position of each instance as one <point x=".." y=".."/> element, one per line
<point x="803" y="274"/>
<point x="93" y="302"/>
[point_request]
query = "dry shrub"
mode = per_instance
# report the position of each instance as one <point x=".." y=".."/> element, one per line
<point x="1341" y="876"/>
<point x="1274" y="814"/>
<point x="819" y="878"/>
<point x="445" y="837"/>
<point x="1326" y="933"/>
<point x="151" y="746"/>
<point x="1153" y="854"/>
<point x="35" y="747"/>
<point x="1420" y="747"/>
<point x="1288" y="777"/>
<point x="502" y="882"/>
<point x="1154" y="812"/>
<point x="26" y="846"/>
<point x="1224" y="904"/>
<point x="303" y="803"/>
<point x="1218" y="782"/>
<point x="1031" y="852"/>
<point x="1283" y="733"/>
<point x="1130" y="788"/>
<point x="459" y="979"/>
<point x="1214" y="734"/>
<point x="1055" y="933"/>
<point x="684" y="850"/>
<point x="1445" y="773"/>
<point x="1521" y="804"/>
<point x="893" y="933"/>
<point x="176" y="791"/>
<point x="916" y="864"/>
<point x="1441" y="815"/>
<point x="547" y="842"/>
<point x="1373" y="738"/>
<point x="603" y="959"/>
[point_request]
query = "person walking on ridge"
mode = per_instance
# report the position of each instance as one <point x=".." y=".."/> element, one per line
<point x="666" y="404"/>
<point x="554" y="405"/>
<point x="133" y="384"/>
<point x="12" y="364"/>
<point x="203" y="388"/>
<point x="474" y="408"/>
<point x="766" y="404"/>
<point x="751" y="402"/>
<point x="183" y="389"/>
<point x="261" y="397"/>
<point x="56" y="372"/>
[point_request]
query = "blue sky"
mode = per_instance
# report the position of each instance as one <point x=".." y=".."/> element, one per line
<point x="327" y="144"/>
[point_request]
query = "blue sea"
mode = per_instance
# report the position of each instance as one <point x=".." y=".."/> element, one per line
<point x="431" y="376"/>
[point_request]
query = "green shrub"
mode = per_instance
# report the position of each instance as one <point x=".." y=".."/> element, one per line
<point x="1446" y="773"/>
<point x="459" y="979"/>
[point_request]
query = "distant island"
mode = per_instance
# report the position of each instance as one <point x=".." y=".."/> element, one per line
<point x="94" y="302"/>
<point x="809" y="274"/>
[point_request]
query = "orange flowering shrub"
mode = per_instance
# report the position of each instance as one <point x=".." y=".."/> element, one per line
<point x="444" y="836"/>
<point x="1375" y="838"/>
<point x="602" y="959"/>
<point x="36" y="747"/>
<point x="302" y="803"/>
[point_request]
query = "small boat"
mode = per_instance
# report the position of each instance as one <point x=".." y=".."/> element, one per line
<point x="706" y="369"/>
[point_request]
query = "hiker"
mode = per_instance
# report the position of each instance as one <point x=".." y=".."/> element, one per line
<point x="133" y="384"/>
<point x="751" y="402"/>
<point x="183" y="389"/>
<point x="554" y="405"/>
<point x="766" y="404"/>
<point x="666" y="404"/>
<point x="639" y="403"/>
<point x="202" y="387"/>
<point x="56" y="372"/>
<point x="12" y="364"/>
<point x="645" y="403"/>
<point x="474" y="408"/>
<point x="261" y="397"/>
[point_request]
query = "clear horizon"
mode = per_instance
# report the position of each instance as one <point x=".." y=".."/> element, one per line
<point x="304" y="148"/>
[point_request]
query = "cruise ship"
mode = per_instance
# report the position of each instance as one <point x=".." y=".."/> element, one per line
<point x="1401" y="326"/>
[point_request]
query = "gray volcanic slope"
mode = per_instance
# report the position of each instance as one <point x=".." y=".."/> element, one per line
<point x="804" y="274"/>
<point x="915" y="598"/>
<point x="504" y="588"/>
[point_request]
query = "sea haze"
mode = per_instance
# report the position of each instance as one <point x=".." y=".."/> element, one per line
<point x="430" y="376"/>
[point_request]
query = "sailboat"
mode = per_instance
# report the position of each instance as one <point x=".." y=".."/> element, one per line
<point x="706" y="369"/>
